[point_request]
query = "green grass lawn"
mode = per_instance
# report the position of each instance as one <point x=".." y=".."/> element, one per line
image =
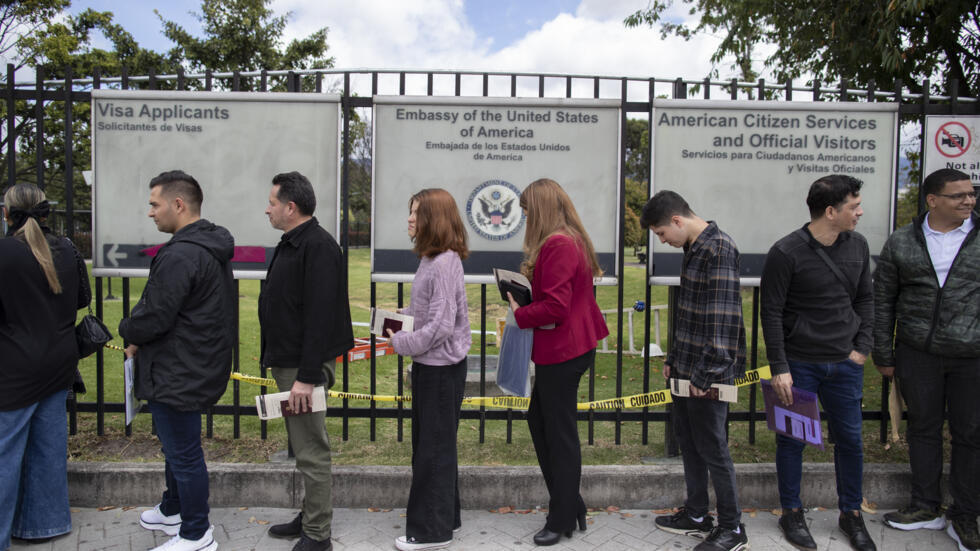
<point x="386" y="448"/>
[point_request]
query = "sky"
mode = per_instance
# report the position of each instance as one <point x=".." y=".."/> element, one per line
<point x="584" y="37"/>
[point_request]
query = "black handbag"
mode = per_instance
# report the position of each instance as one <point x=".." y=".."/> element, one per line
<point x="91" y="334"/>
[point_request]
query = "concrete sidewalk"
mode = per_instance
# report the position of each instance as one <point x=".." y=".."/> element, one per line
<point x="242" y="529"/>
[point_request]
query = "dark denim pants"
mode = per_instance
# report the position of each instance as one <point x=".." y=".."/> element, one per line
<point x="187" y="474"/>
<point x="930" y="384"/>
<point x="433" y="501"/>
<point x="840" y="387"/>
<point x="33" y="471"/>
<point x="699" y="426"/>
<point x="552" y="421"/>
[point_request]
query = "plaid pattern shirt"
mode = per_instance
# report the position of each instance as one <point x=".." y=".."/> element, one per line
<point x="709" y="336"/>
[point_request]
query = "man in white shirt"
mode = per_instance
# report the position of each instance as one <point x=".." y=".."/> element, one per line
<point x="927" y="334"/>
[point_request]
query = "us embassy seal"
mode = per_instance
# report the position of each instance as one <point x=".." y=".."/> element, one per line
<point x="493" y="210"/>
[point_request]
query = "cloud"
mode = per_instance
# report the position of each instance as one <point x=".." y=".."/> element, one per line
<point x="435" y="34"/>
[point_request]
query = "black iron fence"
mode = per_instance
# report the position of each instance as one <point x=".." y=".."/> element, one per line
<point x="55" y="164"/>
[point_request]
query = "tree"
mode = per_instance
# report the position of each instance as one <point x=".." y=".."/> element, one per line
<point x="867" y="41"/>
<point x="244" y="35"/>
<point x="238" y="35"/>
<point x="24" y="18"/>
<point x="637" y="150"/>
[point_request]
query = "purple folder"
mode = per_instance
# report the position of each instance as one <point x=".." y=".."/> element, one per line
<point x="801" y="420"/>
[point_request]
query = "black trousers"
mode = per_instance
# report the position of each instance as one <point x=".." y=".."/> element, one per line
<point x="930" y="385"/>
<point x="433" y="501"/>
<point x="699" y="426"/>
<point x="551" y="418"/>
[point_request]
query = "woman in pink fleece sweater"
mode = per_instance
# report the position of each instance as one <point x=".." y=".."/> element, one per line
<point x="438" y="347"/>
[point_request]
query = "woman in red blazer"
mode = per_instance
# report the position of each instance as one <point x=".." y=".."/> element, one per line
<point x="561" y="263"/>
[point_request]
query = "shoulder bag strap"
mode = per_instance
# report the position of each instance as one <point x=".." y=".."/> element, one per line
<point x="830" y="264"/>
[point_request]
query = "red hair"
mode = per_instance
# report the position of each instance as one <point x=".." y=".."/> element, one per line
<point x="438" y="226"/>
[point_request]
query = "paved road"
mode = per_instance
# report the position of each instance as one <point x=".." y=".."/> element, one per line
<point x="363" y="530"/>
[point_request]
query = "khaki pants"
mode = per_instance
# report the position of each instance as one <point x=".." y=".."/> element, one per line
<point x="311" y="445"/>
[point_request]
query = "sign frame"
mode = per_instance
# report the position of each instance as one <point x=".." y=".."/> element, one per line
<point x="769" y="106"/>
<point x="332" y="222"/>
<point x="482" y="101"/>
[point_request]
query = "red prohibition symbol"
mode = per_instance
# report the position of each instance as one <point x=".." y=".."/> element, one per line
<point x="953" y="139"/>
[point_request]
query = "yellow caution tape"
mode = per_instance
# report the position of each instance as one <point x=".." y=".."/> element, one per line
<point x="649" y="399"/>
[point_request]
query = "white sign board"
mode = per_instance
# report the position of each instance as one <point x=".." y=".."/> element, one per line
<point x="231" y="143"/>
<point x="953" y="142"/>
<point x="748" y="165"/>
<point x="485" y="151"/>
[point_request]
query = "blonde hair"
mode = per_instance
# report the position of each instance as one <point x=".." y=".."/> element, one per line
<point x="26" y="197"/>
<point x="551" y="211"/>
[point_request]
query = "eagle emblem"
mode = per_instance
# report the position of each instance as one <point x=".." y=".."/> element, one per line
<point x="492" y="210"/>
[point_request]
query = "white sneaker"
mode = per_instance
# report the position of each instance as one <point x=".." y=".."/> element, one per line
<point x="404" y="543"/>
<point x="153" y="519"/>
<point x="177" y="543"/>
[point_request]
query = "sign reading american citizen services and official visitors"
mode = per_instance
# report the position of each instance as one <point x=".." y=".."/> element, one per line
<point x="231" y="143"/>
<point x="485" y="151"/>
<point x="748" y="166"/>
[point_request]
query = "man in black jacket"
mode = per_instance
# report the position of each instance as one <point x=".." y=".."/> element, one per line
<point x="305" y="319"/>
<point x="180" y="336"/>
<point x="927" y="303"/>
<point x="817" y="311"/>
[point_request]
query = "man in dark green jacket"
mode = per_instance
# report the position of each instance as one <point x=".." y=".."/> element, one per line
<point x="927" y="283"/>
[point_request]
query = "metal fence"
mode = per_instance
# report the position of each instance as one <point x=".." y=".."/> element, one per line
<point x="357" y="89"/>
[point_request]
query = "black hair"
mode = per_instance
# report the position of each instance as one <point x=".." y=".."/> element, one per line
<point x="295" y="187"/>
<point x="831" y="191"/>
<point x="935" y="182"/>
<point x="177" y="183"/>
<point x="661" y="207"/>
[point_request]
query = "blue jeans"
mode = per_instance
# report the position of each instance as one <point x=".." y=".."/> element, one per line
<point x="34" y="471"/>
<point x="840" y="387"/>
<point x="187" y="474"/>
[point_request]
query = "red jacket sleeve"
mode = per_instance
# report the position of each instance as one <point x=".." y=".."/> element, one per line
<point x="552" y="285"/>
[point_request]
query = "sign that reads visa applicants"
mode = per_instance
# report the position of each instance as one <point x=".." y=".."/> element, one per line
<point x="485" y="151"/>
<point x="748" y="165"/>
<point x="232" y="143"/>
<point x="953" y="142"/>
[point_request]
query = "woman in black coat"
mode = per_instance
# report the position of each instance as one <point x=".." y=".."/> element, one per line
<point x="41" y="288"/>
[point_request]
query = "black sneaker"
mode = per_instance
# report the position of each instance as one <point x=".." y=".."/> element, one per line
<point x="306" y="543"/>
<point x="682" y="523"/>
<point x="793" y="525"/>
<point x="963" y="530"/>
<point x="853" y="527"/>
<point x="723" y="539"/>
<point x="915" y="518"/>
<point x="289" y="530"/>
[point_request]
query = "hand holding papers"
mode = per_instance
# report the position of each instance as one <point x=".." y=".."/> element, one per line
<point x="275" y="405"/>
<point x="799" y="420"/>
<point x="132" y="404"/>
<point x="383" y="320"/>
<point x="515" y="284"/>
<point x="724" y="393"/>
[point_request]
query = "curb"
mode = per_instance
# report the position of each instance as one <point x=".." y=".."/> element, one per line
<point x="627" y="487"/>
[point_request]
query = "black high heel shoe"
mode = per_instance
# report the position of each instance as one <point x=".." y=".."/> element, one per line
<point x="581" y="522"/>
<point x="546" y="537"/>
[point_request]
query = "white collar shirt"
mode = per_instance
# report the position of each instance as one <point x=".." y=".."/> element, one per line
<point x="943" y="247"/>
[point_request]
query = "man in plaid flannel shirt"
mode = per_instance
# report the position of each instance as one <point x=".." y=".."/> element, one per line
<point x="708" y="347"/>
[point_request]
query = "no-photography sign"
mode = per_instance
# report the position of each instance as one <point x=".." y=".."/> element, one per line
<point x="953" y="142"/>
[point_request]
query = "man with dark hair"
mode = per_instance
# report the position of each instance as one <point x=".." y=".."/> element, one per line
<point x="709" y="347"/>
<point x="817" y="312"/>
<point x="305" y="319"/>
<point x="182" y="342"/>
<point x="927" y="283"/>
